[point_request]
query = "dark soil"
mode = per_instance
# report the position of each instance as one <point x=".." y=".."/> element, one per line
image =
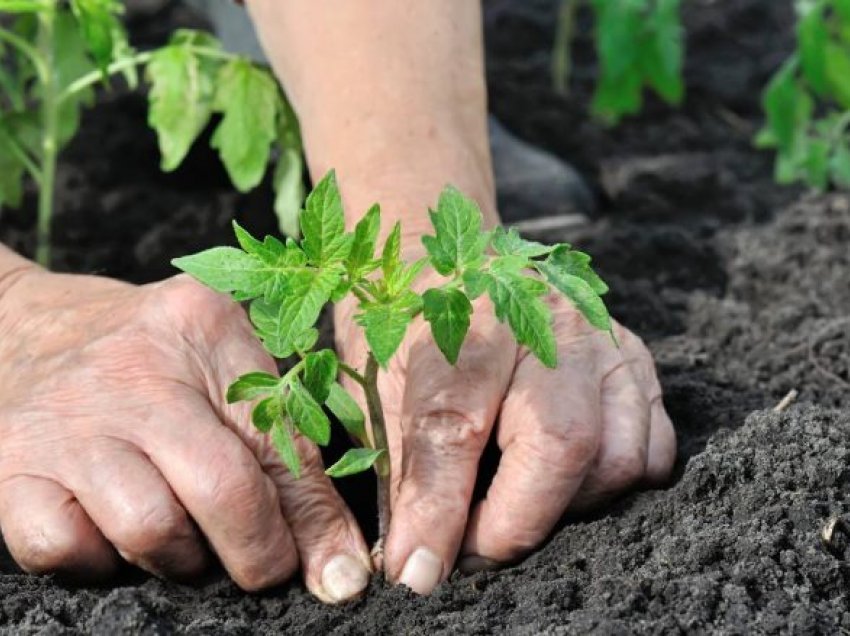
<point x="740" y="287"/>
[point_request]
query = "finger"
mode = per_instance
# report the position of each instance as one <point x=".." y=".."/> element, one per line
<point x="622" y="458"/>
<point x="129" y="500"/>
<point x="447" y="416"/>
<point x="662" y="445"/>
<point x="549" y="433"/>
<point x="221" y="484"/>
<point x="47" y="531"/>
<point x="331" y="548"/>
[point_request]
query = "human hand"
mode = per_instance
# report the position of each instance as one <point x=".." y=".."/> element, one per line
<point x="116" y="439"/>
<point x="570" y="438"/>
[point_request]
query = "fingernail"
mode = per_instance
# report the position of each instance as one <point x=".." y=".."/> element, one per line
<point x="474" y="563"/>
<point x="422" y="571"/>
<point x="344" y="577"/>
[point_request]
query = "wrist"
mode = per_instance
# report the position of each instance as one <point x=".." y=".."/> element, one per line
<point x="13" y="268"/>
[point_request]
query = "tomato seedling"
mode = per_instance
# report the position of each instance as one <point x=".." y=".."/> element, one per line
<point x="807" y="102"/>
<point x="288" y="284"/>
<point x="639" y="44"/>
<point x="53" y="54"/>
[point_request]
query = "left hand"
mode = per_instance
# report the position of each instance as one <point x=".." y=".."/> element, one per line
<point x="570" y="438"/>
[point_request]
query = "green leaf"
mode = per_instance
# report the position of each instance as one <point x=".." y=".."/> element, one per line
<point x="251" y="386"/>
<point x="386" y="324"/>
<point x="816" y="164"/>
<point x="391" y="261"/>
<point x="249" y="99"/>
<point x="11" y="168"/>
<point x="355" y="460"/>
<point x="662" y="51"/>
<point x="282" y="439"/>
<point x="578" y="291"/>
<point x="448" y="311"/>
<point x="361" y="261"/>
<point x="788" y="108"/>
<point x="838" y="73"/>
<point x="320" y="369"/>
<point x="458" y="242"/>
<point x="71" y="62"/>
<point x="267" y="413"/>
<point x="839" y="166"/>
<point x="288" y="178"/>
<point x="307" y="415"/>
<point x="812" y="36"/>
<point x="22" y="6"/>
<point x="516" y="300"/>
<point x="510" y="243"/>
<point x="475" y="283"/>
<point x="181" y="95"/>
<point x="280" y="324"/>
<point x="323" y="224"/>
<point x="288" y="185"/>
<point x="577" y="263"/>
<point x="226" y="269"/>
<point x="100" y="27"/>
<point x="347" y="411"/>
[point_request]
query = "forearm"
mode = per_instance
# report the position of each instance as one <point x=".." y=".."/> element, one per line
<point x="391" y="94"/>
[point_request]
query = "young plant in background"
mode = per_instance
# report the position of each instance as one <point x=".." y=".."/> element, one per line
<point x="807" y="102"/>
<point x="53" y="54"/>
<point x="639" y="44"/>
<point x="288" y="284"/>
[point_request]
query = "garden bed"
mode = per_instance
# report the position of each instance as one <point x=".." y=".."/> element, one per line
<point x="740" y="287"/>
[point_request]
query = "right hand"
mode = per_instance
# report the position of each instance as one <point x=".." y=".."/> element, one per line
<point x="116" y="442"/>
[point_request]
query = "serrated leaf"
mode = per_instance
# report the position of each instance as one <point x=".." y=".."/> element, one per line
<point x="816" y="164"/>
<point x="475" y="283"/>
<point x="307" y="415"/>
<point x="181" y="96"/>
<point x="662" y="51"/>
<point x="579" y="292"/>
<point x="249" y="99"/>
<point x="355" y="460"/>
<point x="323" y="224"/>
<point x="361" y="261"/>
<point x="226" y="269"/>
<point x="282" y="439"/>
<point x="448" y="312"/>
<point x="320" y="369"/>
<point x="267" y="413"/>
<point x="279" y="324"/>
<point x="458" y="242"/>
<point x="576" y="263"/>
<point x="391" y="261"/>
<point x="508" y="242"/>
<point x="516" y="299"/>
<point x="386" y="324"/>
<point x="252" y="385"/>
<point x="347" y="411"/>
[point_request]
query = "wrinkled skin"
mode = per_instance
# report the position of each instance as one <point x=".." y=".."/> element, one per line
<point x="116" y="441"/>
<point x="571" y="438"/>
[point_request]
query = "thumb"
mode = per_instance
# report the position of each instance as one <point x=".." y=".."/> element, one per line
<point x="447" y="415"/>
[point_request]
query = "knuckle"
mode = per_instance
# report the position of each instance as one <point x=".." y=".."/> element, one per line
<point x="622" y="471"/>
<point x="150" y="530"/>
<point x="185" y="299"/>
<point x="261" y="575"/>
<point x="448" y="431"/>
<point x="568" y="451"/>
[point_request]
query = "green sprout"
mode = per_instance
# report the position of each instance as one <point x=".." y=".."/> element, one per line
<point x="807" y="102"/>
<point x="639" y="44"/>
<point x="54" y="53"/>
<point x="288" y="283"/>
